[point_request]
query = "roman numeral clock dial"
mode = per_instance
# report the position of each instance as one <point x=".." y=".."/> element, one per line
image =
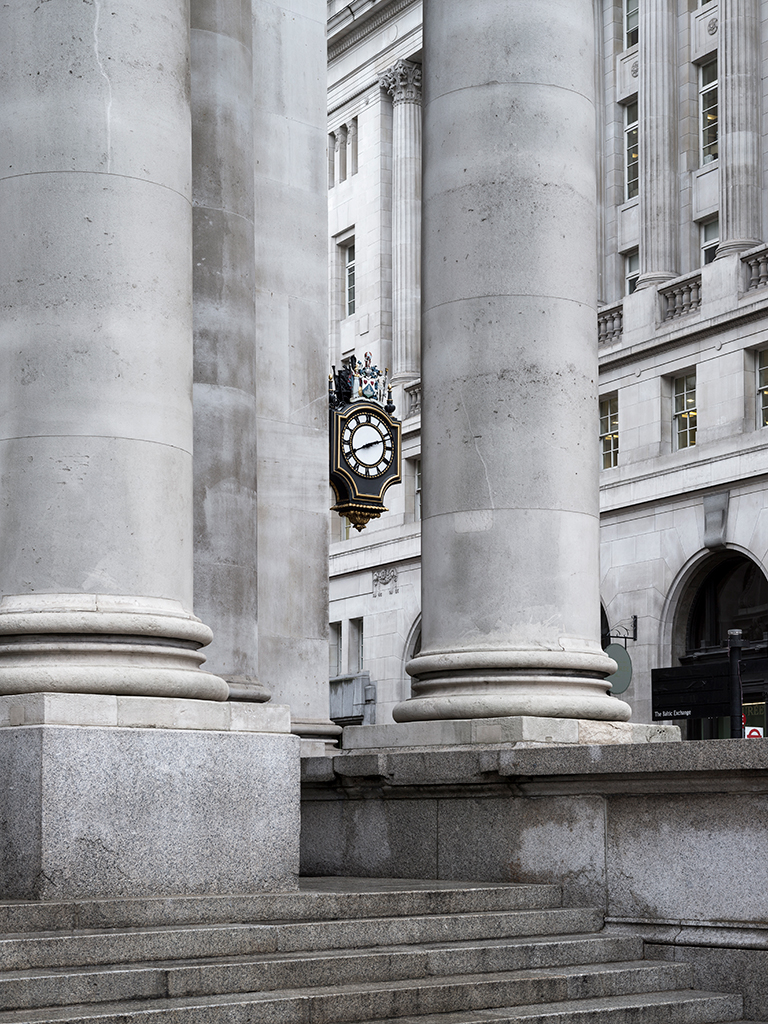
<point x="366" y="443"/>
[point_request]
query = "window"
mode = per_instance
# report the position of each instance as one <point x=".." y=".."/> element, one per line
<point x="417" y="485"/>
<point x="685" y="410"/>
<point x="762" y="387"/>
<point x="630" y="151"/>
<point x="631" y="271"/>
<point x="334" y="650"/>
<point x="708" y="110"/>
<point x="710" y="236"/>
<point x="609" y="432"/>
<point x="349" y="279"/>
<point x="631" y="21"/>
<point x="355" y="645"/>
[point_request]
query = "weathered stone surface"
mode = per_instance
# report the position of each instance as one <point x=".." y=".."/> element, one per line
<point x="97" y="812"/>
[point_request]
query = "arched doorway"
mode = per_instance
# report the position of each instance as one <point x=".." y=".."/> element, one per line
<point x="729" y="591"/>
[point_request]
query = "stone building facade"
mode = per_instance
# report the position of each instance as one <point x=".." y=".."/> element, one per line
<point x="682" y="329"/>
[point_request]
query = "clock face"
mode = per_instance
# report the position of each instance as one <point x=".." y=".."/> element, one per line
<point x="367" y="446"/>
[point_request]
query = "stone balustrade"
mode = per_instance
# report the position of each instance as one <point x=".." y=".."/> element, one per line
<point x="412" y="400"/>
<point x="610" y="324"/>
<point x="682" y="297"/>
<point x="756" y="263"/>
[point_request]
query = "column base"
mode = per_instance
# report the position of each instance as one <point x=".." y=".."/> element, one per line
<point x="103" y="643"/>
<point x="520" y="732"/>
<point x="111" y="796"/>
<point x="511" y="683"/>
<point x="735" y="246"/>
<point x="244" y="689"/>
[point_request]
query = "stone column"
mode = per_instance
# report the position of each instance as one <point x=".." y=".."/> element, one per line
<point x="657" y="141"/>
<point x="403" y="83"/>
<point x="510" y="601"/>
<point x="96" y="346"/>
<point x="739" y="137"/>
<point x="292" y="358"/>
<point x="225" y="508"/>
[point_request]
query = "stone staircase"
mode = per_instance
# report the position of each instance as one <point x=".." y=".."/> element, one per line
<point x="352" y="950"/>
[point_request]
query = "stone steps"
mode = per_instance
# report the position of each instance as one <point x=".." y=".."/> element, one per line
<point x="19" y="989"/>
<point x="77" y="948"/>
<point x="321" y="902"/>
<point x="671" y="1007"/>
<point x="339" y="952"/>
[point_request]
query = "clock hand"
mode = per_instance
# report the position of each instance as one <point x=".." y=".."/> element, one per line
<point x="369" y="445"/>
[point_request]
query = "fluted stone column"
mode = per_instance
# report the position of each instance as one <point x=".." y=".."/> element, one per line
<point x="96" y="349"/>
<point x="739" y="136"/>
<point x="226" y="579"/>
<point x="292" y="358"/>
<point x="510" y="596"/>
<point x="403" y="83"/>
<point x="658" y="142"/>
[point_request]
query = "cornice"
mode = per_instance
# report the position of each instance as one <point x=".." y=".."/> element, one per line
<point x="352" y="32"/>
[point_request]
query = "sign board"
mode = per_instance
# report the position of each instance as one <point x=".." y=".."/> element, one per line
<point x="754" y="732"/>
<point x="691" y="691"/>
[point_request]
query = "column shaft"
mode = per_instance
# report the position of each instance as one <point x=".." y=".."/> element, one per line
<point x="96" y="344"/>
<point x="292" y="357"/>
<point x="225" y="506"/>
<point x="657" y="140"/>
<point x="739" y="136"/>
<point x="510" y="598"/>
<point x="403" y="82"/>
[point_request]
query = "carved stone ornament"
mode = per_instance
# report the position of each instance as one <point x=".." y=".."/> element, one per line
<point x="712" y="26"/>
<point x="635" y="69"/>
<point x="403" y="82"/>
<point x="385" y="579"/>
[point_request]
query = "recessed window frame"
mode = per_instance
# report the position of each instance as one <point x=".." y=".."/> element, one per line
<point x="761" y="367"/>
<point x="709" y="233"/>
<point x="609" y="431"/>
<point x="685" y="412"/>
<point x="350" y="266"/>
<point x="631" y="151"/>
<point x="631" y="271"/>
<point x="631" y="22"/>
<point x="708" y="111"/>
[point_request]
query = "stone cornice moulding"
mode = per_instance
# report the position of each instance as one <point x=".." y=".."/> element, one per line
<point x="338" y="43"/>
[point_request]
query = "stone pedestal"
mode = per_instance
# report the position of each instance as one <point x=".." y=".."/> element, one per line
<point x="403" y="83"/>
<point x="657" y="141"/>
<point x="510" y="597"/>
<point x="109" y="796"/>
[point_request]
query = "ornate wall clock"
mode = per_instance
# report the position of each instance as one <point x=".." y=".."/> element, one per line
<point x="365" y="441"/>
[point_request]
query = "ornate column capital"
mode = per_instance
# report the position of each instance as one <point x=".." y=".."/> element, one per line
<point x="403" y="82"/>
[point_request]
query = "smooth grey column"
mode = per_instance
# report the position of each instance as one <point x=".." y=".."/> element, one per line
<point x="510" y="598"/>
<point x="739" y="137"/>
<point x="226" y="579"/>
<point x="96" y="349"/>
<point x="403" y="83"/>
<point x="657" y="139"/>
<point x="292" y="357"/>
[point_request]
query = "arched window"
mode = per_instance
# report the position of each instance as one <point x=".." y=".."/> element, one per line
<point x="729" y="591"/>
<point x="733" y="595"/>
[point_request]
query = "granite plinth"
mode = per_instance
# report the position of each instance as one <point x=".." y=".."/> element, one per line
<point x="522" y="731"/>
<point x="126" y="797"/>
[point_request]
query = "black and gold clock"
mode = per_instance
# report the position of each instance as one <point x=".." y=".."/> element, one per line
<point x="365" y="452"/>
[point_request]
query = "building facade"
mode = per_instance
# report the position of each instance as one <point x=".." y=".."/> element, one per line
<point x="682" y="339"/>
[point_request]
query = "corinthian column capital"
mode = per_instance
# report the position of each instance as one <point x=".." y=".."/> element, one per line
<point x="403" y="82"/>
